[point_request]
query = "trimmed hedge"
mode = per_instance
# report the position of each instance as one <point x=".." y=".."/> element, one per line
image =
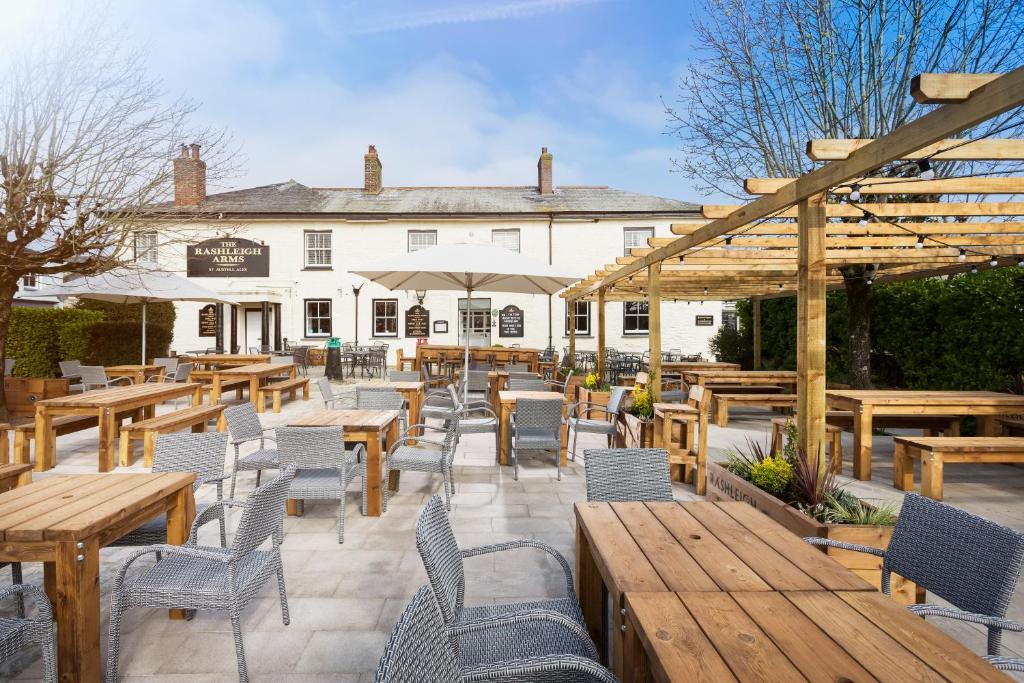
<point x="39" y="337"/>
<point x="120" y="343"/>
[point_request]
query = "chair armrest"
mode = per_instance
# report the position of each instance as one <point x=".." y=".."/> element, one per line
<point x="499" y="621"/>
<point x="573" y="409"/>
<point x="201" y="519"/>
<point x="932" y="610"/>
<point x="418" y="439"/>
<point x="830" y="543"/>
<point x="42" y="602"/>
<point x="120" y="379"/>
<point x="1005" y="663"/>
<point x="422" y="425"/>
<point x="535" y="668"/>
<point x="525" y="543"/>
<point x="167" y="549"/>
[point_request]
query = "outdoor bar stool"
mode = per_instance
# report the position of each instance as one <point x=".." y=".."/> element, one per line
<point x="580" y="420"/>
<point x="244" y="427"/>
<point x="627" y="475"/>
<point x="428" y="455"/>
<point x="536" y="425"/>
<point x="21" y="632"/>
<point x="968" y="561"/>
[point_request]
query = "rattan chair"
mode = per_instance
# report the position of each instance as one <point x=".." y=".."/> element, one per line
<point x="384" y="398"/>
<point x="18" y="633"/>
<point x="202" y="453"/>
<point x="532" y="384"/>
<point x="331" y="399"/>
<point x="404" y="376"/>
<point x="488" y="423"/>
<point x="428" y="455"/>
<point x="438" y="404"/>
<point x="244" y="427"/>
<point x="627" y="474"/>
<point x="966" y="560"/>
<point x="554" y="385"/>
<point x="579" y="419"/>
<point x="420" y="651"/>
<point x="323" y="467"/>
<point x="479" y="386"/>
<point x="194" y="577"/>
<point x="536" y="425"/>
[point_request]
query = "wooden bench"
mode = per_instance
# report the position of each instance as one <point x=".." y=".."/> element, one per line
<point x="238" y="384"/>
<point x="146" y="431"/>
<point x="722" y="403"/>
<point x="64" y="424"/>
<point x="935" y="451"/>
<point x="742" y="389"/>
<point x="1011" y="426"/>
<point x="13" y="476"/>
<point x="275" y="389"/>
<point x="833" y="434"/>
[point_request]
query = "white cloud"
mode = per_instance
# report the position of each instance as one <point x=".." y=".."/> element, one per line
<point x="458" y="14"/>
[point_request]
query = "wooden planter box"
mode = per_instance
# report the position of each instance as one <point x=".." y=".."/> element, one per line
<point x="724" y="485"/>
<point x="634" y="432"/>
<point x="575" y="382"/>
<point x="23" y="392"/>
<point x="596" y="397"/>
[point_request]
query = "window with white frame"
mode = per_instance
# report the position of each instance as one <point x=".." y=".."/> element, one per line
<point x="146" y="246"/>
<point x="635" y="317"/>
<point x="421" y="239"/>
<point x="318" y="249"/>
<point x="385" y="317"/>
<point x="508" y="239"/>
<point x="581" y="317"/>
<point x="28" y="281"/>
<point x="318" y="317"/>
<point x="635" y="237"/>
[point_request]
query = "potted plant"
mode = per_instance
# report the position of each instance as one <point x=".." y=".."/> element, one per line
<point x="636" y="420"/>
<point x="593" y="390"/>
<point x="787" y="487"/>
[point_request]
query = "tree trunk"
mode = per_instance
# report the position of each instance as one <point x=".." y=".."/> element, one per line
<point x="7" y="292"/>
<point x="858" y="313"/>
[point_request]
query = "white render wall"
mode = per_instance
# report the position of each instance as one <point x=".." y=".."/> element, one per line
<point x="578" y="247"/>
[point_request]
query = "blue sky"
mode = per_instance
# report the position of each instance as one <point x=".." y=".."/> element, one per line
<point x="450" y="92"/>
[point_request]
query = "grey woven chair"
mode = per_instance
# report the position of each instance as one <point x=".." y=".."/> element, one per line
<point x="244" y="427"/>
<point x="1006" y="663"/>
<point x="331" y="399"/>
<point x="194" y="577"/>
<point x="536" y="425"/>
<point x="405" y="376"/>
<point x="168" y="364"/>
<point x="627" y="474"/>
<point x="22" y="632"/>
<point x="579" y="419"/>
<point x="419" y="651"/>
<point x="564" y="633"/>
<point x="479" y="386"/>
<point x="384" y="399"/>
<point x="438" y="404"/>
<point x="517" y="367"/>
<point x="488" y="423"/>
<point x="202" y="453"/>
<point x="516" y="384"/>
<point x="964" y="559"/>
<point x="674" y="391"/>
<point x="428" y="455"/>
<point x="323" y="467"/>
<point x="432" y="381"/>
<point x="555" y="385"/>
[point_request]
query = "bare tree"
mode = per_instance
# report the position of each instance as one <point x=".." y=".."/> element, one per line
<point x="776" y="73"/>
<point x="86" y="142"/>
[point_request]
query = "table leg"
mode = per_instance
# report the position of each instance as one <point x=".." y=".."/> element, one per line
<point x="862" y="442"/>
<point x="564" y="434"/>
<point x="215" y="390"/>
<point x="254" y="394"/>
<point x="590" y="590"/>
<point x="108" y="431"/>
<point x="636" y="667"/>
<point x="44" y="439"/>
<point x="76" y="585"/>
<point x="179" y="524"/>
<point x="931" y="475"/>
<point x="902" y="468"/>
<point x="987" y="425"/>
<point x="506" y="409"/>
<point x="197" y="397"/>
<point x="374" y="491"/>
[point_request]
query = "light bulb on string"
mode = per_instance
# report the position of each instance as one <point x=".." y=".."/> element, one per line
<point x="925" y="171"/>
<point x="963" y="255"/>
<point x="974" y="269"/>
<point x="994" y="262"/>
<point x="864" y="220"/>
<point x="1020" y="262"/>
<point x="728" y="241"/>
<point x="920" y="242"/>
<point x="855" y="193"/>
<point x="705" y="291"/>
<point x="780" y="286"/>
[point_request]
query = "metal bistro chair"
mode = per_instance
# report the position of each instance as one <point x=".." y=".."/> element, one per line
<point x="555" y="385"/>
<point x="419" y="651"/>
<point x="329" y="397"/>
<point x="244" y="427"/>
<point x="181" y="373"/>
<point x="580" y="420"/>
<point x="627" y="474"/>
<point x="384" y="398"/>
<point x="423" y="458"/>
<point x="94" y="376"/>
<point x="195" y="577"/>
<point x="964" y="559"/>
<point x="9" y="366"/>
<point x="300" y="356"/>
<point x="18" y="633"/>
<point x="324" y="468"/>
<point x="535" y="425"/>
<point x="71" y="370"/>
<point x="525" y="629"/>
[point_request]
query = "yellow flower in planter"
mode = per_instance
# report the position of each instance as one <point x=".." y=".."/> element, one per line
<point x="771" y="474"/>
<point x="643" y="404"/>
<point x="591" y="382"/>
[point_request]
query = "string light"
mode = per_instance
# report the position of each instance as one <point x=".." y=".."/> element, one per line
<point x="994" y="262"/>
<point x="855" y="193"/>
<point x="920" y="242"/>
<point x="963" y="255"/>
<point x="780" y="286"/>
<point x="1020" y="262"/>
<point x="864" y="220"/>
<point x="924" y="170"/>
<point x="974" y="269"/>
<point x="681" y="259"/>
<point x="728" y="241"/>
<point x="705" y="291"/>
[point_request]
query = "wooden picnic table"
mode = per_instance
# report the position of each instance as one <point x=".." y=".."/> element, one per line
<point x="687" y="547"/>
<point x="507" y="402"/>
<point x="785" y="378"/>
<point x="14" y="475"/>
<point x="368" y="427"/>
<point x="412" y="392"/>
<point x="501" y="354"/>
<point x="137" y="401"/>
<point x="865" y="403"/>
<point x="209" y="361"/>
<point x="675" y="366"/>
<point x="63" y="521"/>
<point x="256" y="373"/>
<point x="137" y="373"/>
<point x="789" y="636"/>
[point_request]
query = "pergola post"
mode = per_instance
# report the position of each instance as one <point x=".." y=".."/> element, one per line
<point x="654" y="329"/>
<point x="600" y="334"/>
<point x="810" y="356"/>
<point x="570" y="311"/>
<point x="756" y="301"/>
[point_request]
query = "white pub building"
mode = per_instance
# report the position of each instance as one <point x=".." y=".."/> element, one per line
<point x="284" y="253"/>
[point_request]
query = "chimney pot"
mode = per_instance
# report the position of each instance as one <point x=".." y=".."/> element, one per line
<point x="544" y="185"/>
<point x="195" y="150"/>
<point x="372" y="171"/>
<point x="189" y="177"/>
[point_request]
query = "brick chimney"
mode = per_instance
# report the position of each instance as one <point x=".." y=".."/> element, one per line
<point x="372" y="172"/>
<point x="544" y="172"/>
<point x="189" y="177"/>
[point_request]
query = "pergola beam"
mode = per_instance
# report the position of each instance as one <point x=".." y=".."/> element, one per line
<point x="866" y="186"/>
<point x="875" y="228"/>
<point x="990" y="149"/>
<point x="888" y="210"/>
<point x="947" y="88"/>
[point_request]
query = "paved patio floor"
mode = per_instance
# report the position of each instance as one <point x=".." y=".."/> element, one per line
<point x="344" y="599"/>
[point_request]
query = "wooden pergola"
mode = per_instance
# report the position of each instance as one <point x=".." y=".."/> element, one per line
<point x="795" y="237"/>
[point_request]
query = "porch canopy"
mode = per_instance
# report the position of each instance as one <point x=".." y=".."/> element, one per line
<point x="859" y="209"/>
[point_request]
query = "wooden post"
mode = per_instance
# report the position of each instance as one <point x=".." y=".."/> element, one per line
<point x="570" y="311"/>
<point x="600" y="334"/>
<point x="756" y="300"/>
<point x="654" y="329"/>
<point x="810" y="356"/>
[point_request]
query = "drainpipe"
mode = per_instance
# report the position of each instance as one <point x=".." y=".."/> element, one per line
<point x="551" y="219"/>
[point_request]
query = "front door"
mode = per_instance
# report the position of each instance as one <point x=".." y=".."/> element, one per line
<point x="253" y="329"/>
<point x="479" y="322"/>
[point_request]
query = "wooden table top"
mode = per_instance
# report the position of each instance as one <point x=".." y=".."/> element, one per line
<point x="787" y="636"/>
<point x="675" y="408"/>
<point x="511" y="396"/>
<point x="702" y="546"/>
<point x="925" y="397"/>
<point x="787" y="374"/>
<point x="231" y="357"/>
<point x="131" y="368"/>
<point x="698" y="365"/>
<point x="397" y="386"/>
<point x="70" y="507"/>
<point x="256" y="369"/>
<point x="356" y="419"/>
<point x="99" y="398"/>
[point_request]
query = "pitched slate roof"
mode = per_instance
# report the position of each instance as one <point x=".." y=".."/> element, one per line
<point x="292" y="197"/>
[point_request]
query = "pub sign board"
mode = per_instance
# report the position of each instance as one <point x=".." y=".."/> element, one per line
<point x="705" y="320"/>
<point x="228" y="257"/>
<point x="417" y="322"/>
<point x="510" y="322"/>
<point x="208" y="321"/>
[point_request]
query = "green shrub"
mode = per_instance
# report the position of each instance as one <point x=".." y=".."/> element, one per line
<point x="118" y="343"/>
<point x="772" y="475"/>
<point x="39" y="337"/>
<point x="730" y="345"/>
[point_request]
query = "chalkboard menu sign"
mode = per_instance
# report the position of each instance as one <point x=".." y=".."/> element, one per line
<point x="228" y="257"/>
<point x="208" y="321"/>
<point x="417" y="322"/>
<point x="510" y="322"/>
<point x="705" y="320"/>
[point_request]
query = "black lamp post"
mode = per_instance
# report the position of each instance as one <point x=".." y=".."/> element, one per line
<point x="355" y="291"/>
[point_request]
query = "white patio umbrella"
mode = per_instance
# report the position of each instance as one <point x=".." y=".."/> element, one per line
<point x="140" y="283"/>
<point x="469" y="267"/>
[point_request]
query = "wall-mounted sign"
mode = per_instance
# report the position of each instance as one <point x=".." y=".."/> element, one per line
<point x="705" y="320"/>
<point x="228" y="257"/>
<point x="440" y="327"/>
<point x="417" y="322"/>
<point x="510" y="322"/>
<point x="208" y="321"/>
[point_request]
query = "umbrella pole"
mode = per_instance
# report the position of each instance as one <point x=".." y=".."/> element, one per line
<point x="143" y="332"/>
<point x="465" y="361"/>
